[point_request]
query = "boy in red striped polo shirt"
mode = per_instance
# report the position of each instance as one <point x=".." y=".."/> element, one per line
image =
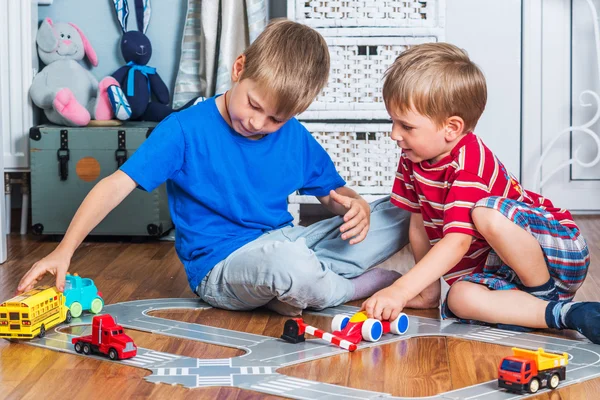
<point x="511" y="257"/>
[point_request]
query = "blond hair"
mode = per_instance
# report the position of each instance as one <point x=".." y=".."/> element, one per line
<point x="291" y="61"/>
<point x="437" y="80"/>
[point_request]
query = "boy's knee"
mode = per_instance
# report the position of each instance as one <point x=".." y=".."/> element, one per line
<point x="460" y="299"/>
<point x="288" y="263"/>
<point x="486" y="219"/>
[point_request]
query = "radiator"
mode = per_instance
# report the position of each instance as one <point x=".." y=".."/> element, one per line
<point x="18" y="65"/>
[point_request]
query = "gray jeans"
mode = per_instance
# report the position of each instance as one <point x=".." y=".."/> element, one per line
<point x="304" y="267"/>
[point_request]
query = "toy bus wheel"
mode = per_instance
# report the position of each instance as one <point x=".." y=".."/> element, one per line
<point x="42" y="331"/>
<point x="96" y="306"/>
<point x="69" y="317"/>
<point x="113" y="355"/>
<point x="554" y="381"/>
<point x="76" y="309"/>
<point x="78" y="347"/>
<point x="339" y="322"/>
<point x="399" y="326"/>
<point x="87" y="350"/>
<point x="534" y="385"/>
<point x="372" y="330"/>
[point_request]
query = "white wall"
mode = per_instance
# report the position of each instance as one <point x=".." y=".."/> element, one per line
<point x="490" y="31"/>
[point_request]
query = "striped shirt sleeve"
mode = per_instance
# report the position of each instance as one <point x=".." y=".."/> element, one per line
<point x="466" y="190"/>
<point x="403" y="191"/>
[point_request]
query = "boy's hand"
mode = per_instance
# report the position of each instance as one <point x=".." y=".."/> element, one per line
<point x="385" y="305"/>
<point x="356" y="219"/>
<point x="57" y="263"/>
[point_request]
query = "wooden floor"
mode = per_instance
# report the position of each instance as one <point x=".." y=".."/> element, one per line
<point x="131" y="271"/>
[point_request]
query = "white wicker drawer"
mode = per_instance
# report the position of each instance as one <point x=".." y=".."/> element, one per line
<point x="354" y="90"/>
<point x="363" y="154"/>
<point x="367" y="13"/>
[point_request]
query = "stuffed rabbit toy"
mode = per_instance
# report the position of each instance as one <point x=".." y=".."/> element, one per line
<point x="67" y="92"/>
<point x="138" y="80"/>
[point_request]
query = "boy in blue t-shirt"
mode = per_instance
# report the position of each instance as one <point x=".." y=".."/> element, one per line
<point x="230" y="163"/>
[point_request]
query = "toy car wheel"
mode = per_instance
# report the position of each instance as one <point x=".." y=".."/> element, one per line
<point x="96" y="306"/>
<point x="69" y="317"/>
<point x="42" y="331"/>
<point x="534" y="385"/>
<point x="554" y="381"/>
<point x="372" y="330"/>
<point x="76" y="309"/>
<point x="399" y="326"/>
<point x="339" y="322"/>
<point x="87" y="350"/>
<point x="78" y="347"/>
<point x="113" y="355"/>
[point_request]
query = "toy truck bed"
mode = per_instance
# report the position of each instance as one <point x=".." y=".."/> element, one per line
<point x="544" y="360"/>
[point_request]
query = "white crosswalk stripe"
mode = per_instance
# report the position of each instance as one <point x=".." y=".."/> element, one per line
<point x="292" y="381"/>
<point x="265" y="387"/>
<point x="150" y="358"/>
<point x="164" y="356"/>
<point x="256" y="370"/>
<point x="218" y="361"/>
<point x="133" y="362"/>
<point x="172" y="371"/>
<point x="491" y="334"/>
<point x="283" y="385"/>
<point x="214" y="381"/>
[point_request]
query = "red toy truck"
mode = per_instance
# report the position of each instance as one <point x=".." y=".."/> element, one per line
<point x="107" y="338"/>
<point x="528" y="370"/>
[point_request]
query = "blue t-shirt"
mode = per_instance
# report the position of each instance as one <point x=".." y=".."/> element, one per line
<point x="226" y="190"/>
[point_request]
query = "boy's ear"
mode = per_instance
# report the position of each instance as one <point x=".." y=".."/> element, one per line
<point x="238" y="68"/>
<point x="455" y="127"/>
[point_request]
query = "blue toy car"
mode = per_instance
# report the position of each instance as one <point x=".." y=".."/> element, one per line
<point x="82" y="295"/>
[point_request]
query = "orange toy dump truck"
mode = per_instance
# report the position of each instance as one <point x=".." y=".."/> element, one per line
<point x="107" y="338"/>
<point x="528" y="370"/>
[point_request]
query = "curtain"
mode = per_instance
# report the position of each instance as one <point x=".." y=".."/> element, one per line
<point x="215" y="33"/>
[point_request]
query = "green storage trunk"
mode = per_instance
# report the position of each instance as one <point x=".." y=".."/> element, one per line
<point x="67" y="162"/>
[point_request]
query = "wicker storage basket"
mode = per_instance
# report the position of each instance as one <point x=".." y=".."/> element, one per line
<point x="366" y="13"/>
<point x="364" y="38"/>
<point x="363" y="154"/>
<point x="354" y="90"/>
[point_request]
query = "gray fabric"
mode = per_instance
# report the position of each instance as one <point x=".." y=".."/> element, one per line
<point x="209" y="17"/>
<point x="188" y="83"/>
<point x="232" y="42"/>
<point x="46" y="39"/>
<point x="304" y="267"/>
<point x="216" y="32"/>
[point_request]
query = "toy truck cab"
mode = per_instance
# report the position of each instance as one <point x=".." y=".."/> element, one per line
<point x="107" y="338"/>
<point x="528" y="371"/>
<point x="81" y="294"/>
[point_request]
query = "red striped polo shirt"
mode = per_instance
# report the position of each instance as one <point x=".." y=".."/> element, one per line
<point x="445" y="193"/>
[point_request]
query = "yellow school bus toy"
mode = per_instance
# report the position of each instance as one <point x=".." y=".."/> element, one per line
<point x="32" y="313"/>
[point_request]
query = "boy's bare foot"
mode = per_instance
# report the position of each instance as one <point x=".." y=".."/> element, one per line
<point x="373" y="281"/>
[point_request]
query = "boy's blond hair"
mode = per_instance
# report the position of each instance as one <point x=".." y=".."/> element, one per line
<point x="291" y="61"/>
<point x="437" y="80"/>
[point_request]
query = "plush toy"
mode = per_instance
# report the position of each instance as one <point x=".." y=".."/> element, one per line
<point x="67" y="92"/>
<point x="137" y="80"/>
